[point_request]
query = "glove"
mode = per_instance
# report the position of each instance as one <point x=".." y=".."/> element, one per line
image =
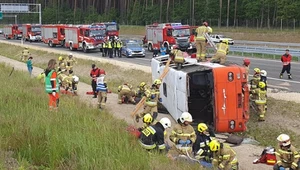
<point x="182" y="142"/>
<point x="153" y="96"/>
<point x="160" y="99"/>
<point x="281" y="168"/>
<point x="293" y="167"/>
<point x="188" y="142"/>
<point x="54" y="93"/>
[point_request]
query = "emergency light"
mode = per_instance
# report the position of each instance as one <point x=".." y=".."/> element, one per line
<point x="175" y="24"/>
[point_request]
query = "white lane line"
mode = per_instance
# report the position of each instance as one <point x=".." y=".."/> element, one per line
<point x="278" y="87"/>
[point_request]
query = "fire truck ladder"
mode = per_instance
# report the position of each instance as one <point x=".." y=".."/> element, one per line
<point x="210" y="41"/>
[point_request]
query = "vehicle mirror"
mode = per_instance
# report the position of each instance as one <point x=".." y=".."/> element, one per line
<point x="169" y="33"/>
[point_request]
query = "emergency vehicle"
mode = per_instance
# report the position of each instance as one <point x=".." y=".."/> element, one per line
<point x="53" y="35"/>
<point x="215" y="94"/>
<point x="32" y="32"/>
<point x="111" y="28"/>
<point x="84" y="37"/>
<point x="168" y="34"/>
<point x="12" y="31"/>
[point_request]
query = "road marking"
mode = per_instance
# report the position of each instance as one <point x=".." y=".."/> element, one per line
<point x="278" y="87"/>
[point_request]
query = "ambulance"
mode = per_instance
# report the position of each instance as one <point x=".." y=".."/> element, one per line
<point x="214" y="94"/>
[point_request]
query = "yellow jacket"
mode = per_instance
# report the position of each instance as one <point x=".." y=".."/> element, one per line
<point x="224" y="158"/>
<point x="290" y="156"/>
<point x="201" y="31"/>
<point x="183" y="132"/>
<point x="223" y="48"/>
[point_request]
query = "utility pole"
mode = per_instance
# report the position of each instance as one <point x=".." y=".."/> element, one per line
<point x="220" y="16"/>
<point x="228" y="7"/>
<point x="193" y="13"/>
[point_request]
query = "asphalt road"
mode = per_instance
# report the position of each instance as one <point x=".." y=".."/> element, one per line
<point x="272" y="67"/>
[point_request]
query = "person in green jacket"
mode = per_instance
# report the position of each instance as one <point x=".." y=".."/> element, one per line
<point x="29" y="65"/>
<point x="52" y="85"/>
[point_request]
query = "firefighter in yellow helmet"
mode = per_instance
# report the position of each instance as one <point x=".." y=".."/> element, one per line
<point x="125" y="92"/>
<point x="183" y="135"/>
<point x="141" y="91"/>
<point x="70" y="62"/>
<point x="224" y="158"/>
<point x="261" y="100"/>
<point x="153" y="96"/>
<point x="25" y="54"/>
<point x="147" y="121"/>
<point x="287" y="155"/>
<point x="220" y="56"/>
<point x="64" y="80"/>
<point x="254" y="83"/>
<point x="62" y="65"/>
<point x="177" y="56"/>
<point x="201" y="41"/>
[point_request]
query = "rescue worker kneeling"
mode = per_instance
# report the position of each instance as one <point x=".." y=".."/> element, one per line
<point x="125" y="91"/>
<point x="287" y="155"/>
<point x="261" y="101"/>
<point x="220" y="56"/>
<point x="254" y="84"/>
<point x="183" y="135"/>
<point x="75" y="84"/>
<point x="141" y="92"/>
<point x="147" y="121"/>
<point x="152" y="137"/>
<point x="65" y="81"/>
<point x="101" y="89"/>
<point x="224" y="158"/>
<point x="177" y="56"/>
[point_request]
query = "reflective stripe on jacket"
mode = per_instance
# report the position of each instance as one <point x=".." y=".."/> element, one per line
<point x="290" y="156"/>
<point x="200" y="32"/>
<point x="51" y="82"/>
<point x="183" y="132"/>
<point x="223" y="48"/>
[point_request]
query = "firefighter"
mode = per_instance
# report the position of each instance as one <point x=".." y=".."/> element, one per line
<point x="147" y="121"/>
<point x="118" y="47"/>
<point x="110" y="48"/>
<point x="152" y="137"/>
<point x="25" y="54"/>
<point x="125" y="93"/>
<point x="261" y="100"/>
<point x="102" y="91"/>
<point x="153" y="96"/>
<point x="263" y="77"/>
<point x="183" y="135"/>
<point x="75" y="84"/>
<point x="62" y="65"/>
<point x="104" y="48"/>
<point x="70" y="62"/>
<point x="287" y="155"/>
<point x="246" y="65"/>
<point x="141" y="92"/>
<point x="201" y="145"/>
<point x="177" y="56"/>
<point x="52" y="85"/>
<point x="220" y="56"/>
<point x="201" y="41"/>
<point x="286" y="64"/>
<point x="64" y="81"/>
<point x="224" y="158"/>
<point x="254" y="83"/>
<point x="95" y="72"/>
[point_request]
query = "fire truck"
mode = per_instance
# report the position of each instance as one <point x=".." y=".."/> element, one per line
<point x="53" y="35"/>
<point x="214" y="94"/>
<point x="111" y="28"/>
<point x="12" y="31"/>
<point x="84" y="37"/>
<point x="168" y="34"/>
<point x="32" y="32"/>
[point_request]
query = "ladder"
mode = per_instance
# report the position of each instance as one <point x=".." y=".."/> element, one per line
<point x="210" y="41"/>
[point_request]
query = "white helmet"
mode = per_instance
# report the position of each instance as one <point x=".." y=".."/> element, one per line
<point x="165" y="122"/>
<point x="75" y="78"/>
<point x="284" y="139"/>
<point x="70" y="54"/>
<point x="186" y="116"/>
<point x="263" y="73"/>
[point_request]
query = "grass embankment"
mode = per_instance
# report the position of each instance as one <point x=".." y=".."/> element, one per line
<point x="75" y="137"/>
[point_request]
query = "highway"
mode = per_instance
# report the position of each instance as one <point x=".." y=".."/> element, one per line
<point x="273" y="67"/>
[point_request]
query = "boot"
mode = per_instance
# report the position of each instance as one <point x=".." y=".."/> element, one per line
<point x="95" y="95"/>
<point x="290" y="76"/>
<point x="280" y="76"/>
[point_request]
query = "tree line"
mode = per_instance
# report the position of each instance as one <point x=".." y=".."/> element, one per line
<point x="258" y="13"/>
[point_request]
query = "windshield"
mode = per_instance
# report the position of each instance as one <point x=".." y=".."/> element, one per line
<point x="36" y="29"/>
<point x="97" y="32"/>
<point x="133" y="46"/>
<point x="111" y="28"/>
<point x="181" y="32"/>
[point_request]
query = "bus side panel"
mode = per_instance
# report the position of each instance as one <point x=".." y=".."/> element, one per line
<point x="227" y="90"/>
<point x="181" y="92"/>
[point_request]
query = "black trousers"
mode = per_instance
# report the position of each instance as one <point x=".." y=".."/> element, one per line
<point x="110" y="52"/>
<point x="286" y="68"/>
<point x="94" y="85"/>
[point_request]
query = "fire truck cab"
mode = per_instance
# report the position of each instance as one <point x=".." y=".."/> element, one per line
<point x="166" y="35"/>
<point x="53" y="35"/>
<point x="84" y="37"/>
<point x="32" y="32"/>
<point x="12" y="31"/>
<point x="214" y="94"/>
<point x="111" y="28"/>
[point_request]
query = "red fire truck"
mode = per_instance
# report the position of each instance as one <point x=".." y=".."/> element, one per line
<point x="12" y="31"/>
<point x="53" y="35"/>
<point x="84" y="37"/>
<point x="32" y="32"/>
<point x="112" y="28"/>
<point x="166" y="35"/>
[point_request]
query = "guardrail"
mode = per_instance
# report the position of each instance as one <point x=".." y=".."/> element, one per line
<point x="265" y="43"/>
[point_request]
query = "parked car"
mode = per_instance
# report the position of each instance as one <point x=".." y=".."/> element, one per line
<point x="1" y="31"/>
<point x="217" y="38"/>
<point x="132" y="48"/>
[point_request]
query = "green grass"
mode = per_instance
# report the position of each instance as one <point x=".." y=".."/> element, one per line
<point x="75" y="137"/>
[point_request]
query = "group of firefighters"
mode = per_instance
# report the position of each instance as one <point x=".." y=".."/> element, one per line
<point x="112" y="47"/>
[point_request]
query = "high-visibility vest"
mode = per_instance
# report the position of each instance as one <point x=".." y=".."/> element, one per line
<point x="101" y="85"/>
<point x="48" y="85"/>
<point x="109" y="44"/>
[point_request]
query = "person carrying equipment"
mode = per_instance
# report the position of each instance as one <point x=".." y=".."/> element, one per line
<point x="102" y="91"/>
<point x="125" y="92"/>
<point x="152" y="137"/>
<point x="287" y="155"/>
<point x="224" y="158"/>
<point x="254" y="83"/>
<point x="220" y="56"/>
<point x="261" y="100"/>
<point x="52" y="85"/>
